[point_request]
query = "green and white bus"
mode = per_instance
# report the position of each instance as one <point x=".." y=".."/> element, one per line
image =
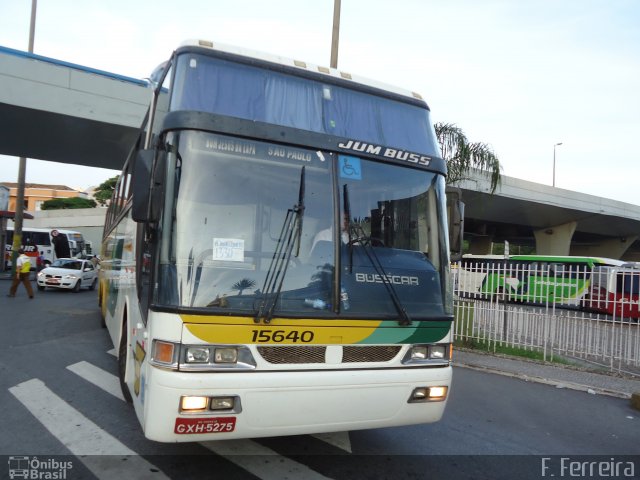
<point x="539" y="279"/>
<point x="275" y="257"/>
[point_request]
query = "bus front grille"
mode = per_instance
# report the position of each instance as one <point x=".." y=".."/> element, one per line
<point x="369" y="353"/>
<point x="308" y="354"/>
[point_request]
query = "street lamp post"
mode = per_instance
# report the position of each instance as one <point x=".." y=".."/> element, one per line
<point x="335" y="37"/>
<point x="554" y="162"/>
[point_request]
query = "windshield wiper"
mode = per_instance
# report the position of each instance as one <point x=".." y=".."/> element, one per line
<point x="290" y="236"/>
<point x="358" y="235"/>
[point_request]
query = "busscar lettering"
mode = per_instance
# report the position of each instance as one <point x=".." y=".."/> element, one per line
<point x="395" y="154"/>
<point x="393" y="279"/>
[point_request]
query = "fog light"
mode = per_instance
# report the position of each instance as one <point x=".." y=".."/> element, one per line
<point x="437" y="393"/>
<point x="193" y="404"/>
<point x="225" y="355"/>
<point x="221" y="403"/>
<point x="198" y="355"/>
<point x="428" y="394"/>
<point x="419" y="352"/>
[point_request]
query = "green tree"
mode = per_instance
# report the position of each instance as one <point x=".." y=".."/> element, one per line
<point x="462" y="156"/>
<point x="65" y="203"/>
<point x="104" y="191"/>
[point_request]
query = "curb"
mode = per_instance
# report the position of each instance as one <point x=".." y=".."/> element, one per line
<point x="557" y="383"/>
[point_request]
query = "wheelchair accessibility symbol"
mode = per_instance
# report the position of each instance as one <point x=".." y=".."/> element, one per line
<point x="349" y="167"/>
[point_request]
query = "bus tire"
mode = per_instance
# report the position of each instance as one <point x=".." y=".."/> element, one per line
<point x="122" y="364"/>
<point x="103" y="320"/>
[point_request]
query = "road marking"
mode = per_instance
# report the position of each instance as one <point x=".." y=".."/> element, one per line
<point x="84" y="439"/>
<point x="100" y="378"/>
<point x="337" y="439"/>
<point x="112" y="352"/>
<point x="250" y="456"/>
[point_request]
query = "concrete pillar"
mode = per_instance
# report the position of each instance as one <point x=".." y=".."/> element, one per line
<point x="480" y="245"/>
<point x="555" y="240"/>
<point x="609" y="248"/>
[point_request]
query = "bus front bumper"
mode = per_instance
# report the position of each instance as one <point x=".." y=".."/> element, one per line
<point x="289" y="403"/>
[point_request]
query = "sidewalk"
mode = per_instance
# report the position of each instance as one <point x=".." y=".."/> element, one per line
<point x="561" y="376"/>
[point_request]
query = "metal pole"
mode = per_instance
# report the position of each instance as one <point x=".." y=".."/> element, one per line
<point x="22" y="168"/>
<point x="554" y="162"/>
<point x="336" y="34"/>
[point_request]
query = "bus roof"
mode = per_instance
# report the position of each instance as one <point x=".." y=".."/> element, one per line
<point x="305" y="66"/>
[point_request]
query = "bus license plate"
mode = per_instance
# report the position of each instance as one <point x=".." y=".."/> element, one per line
<point x="186" y="426"/>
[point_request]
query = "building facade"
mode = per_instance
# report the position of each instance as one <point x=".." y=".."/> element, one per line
<point x="36" y="194"/>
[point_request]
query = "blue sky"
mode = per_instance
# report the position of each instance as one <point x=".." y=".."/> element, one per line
<point x="518" y="75"/>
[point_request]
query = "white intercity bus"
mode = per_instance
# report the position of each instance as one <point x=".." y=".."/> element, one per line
<point x="275" y="258"/>
<point x="48" y="244"/>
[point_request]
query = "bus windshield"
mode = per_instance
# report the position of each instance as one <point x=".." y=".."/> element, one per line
<point x="226" y="205"/>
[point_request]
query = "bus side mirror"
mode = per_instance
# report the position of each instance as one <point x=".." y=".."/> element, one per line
<point x="141" y="185"/>
<point x="455" y="216"/>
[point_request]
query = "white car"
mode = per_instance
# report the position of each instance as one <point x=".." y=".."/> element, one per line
<point x="68" y="273"/>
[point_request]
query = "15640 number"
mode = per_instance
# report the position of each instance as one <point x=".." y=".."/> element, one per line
<point x="280" y="336"/>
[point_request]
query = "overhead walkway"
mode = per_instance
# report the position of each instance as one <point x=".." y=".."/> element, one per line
<point x="62" y="112"/>
<point x="557" y="221"/>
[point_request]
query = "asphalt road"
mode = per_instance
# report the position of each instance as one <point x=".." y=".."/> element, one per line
<point x="57" y="398"/>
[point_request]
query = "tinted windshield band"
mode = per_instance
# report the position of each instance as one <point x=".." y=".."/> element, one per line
<point x="213" y="85"/>
<point x="311" y="75"/>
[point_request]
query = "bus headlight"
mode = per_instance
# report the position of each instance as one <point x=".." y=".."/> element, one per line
<point x="198" y="355"/>
<point x="438" y="351"/>
<point x="225" y="355"/>
<point x="209" y="357"/>
<point x="421" y="354"/>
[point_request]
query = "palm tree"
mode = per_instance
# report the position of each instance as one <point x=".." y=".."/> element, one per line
<point x="243" y="284"/>
<point x="462" y="156"/>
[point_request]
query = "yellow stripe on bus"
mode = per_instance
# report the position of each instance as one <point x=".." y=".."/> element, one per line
<point x="242" y="330"/>
<point x="294" y="322"/>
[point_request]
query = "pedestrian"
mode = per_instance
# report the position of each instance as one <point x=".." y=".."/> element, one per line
<point x="23" y="270"/>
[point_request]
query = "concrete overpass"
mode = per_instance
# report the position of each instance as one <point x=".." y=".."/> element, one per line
<point x="57" y="111"/>
<point x="556" y="221"/>
<point x="61" y="112"/>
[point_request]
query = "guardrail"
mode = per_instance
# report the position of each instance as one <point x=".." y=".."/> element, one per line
<point x="549" y="311"/>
